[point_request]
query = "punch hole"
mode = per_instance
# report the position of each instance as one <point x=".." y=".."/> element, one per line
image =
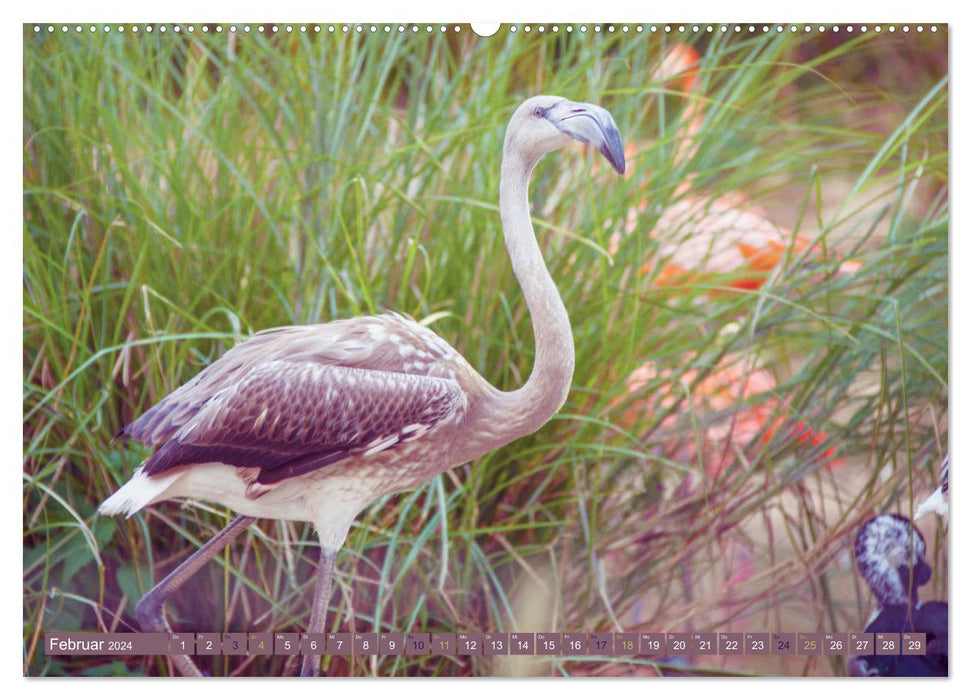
<point x="485" y="29"/>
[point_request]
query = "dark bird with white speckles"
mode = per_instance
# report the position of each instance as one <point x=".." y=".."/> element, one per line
<point x="313" y="423"/>
<point x="889" y="552"/>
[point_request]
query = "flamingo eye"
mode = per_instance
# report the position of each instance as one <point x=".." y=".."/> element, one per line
<point x="540" y="112"/>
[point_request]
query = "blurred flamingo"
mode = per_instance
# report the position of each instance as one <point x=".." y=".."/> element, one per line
<point x="739" y="401"/>
<point x="730" y="242"/>
<point x="726" y="239"/>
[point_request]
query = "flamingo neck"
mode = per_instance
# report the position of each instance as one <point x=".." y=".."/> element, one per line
<point x="526" y="409"/>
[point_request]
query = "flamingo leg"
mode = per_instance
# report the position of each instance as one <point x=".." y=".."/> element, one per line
<point x="150" y="610"/>
<point x="318" y="615"/>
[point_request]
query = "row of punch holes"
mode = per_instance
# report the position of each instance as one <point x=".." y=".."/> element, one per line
<point x="487" y="31"/>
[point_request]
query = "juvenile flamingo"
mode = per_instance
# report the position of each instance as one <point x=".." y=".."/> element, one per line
<point x="313" y="423"/>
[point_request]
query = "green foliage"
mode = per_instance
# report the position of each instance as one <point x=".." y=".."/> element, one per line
<point x="184" y="191"/>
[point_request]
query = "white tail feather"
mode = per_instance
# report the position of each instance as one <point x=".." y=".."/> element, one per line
<point x="140" y="491"/>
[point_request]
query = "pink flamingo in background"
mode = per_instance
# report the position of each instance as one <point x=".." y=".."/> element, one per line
<point x="730" y="243"/>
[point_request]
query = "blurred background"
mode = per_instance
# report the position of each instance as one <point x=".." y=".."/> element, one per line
<point x="759" y="309"/>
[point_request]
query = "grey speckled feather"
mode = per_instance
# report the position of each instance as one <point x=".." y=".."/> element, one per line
<point x="295" y="399"/>
<point x="386" y="343"/>
<point x="289" y="418"/>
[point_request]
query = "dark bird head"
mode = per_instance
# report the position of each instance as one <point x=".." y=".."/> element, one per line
<point x="889" y="552"/>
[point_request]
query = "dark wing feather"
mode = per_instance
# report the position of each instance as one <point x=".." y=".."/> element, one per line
<point x="165" y="418"/>
<point x="287" y="418"/>
<point x="365" y="343"/>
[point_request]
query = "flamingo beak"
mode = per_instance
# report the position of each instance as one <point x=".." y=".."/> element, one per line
<point x="591" y="124"/>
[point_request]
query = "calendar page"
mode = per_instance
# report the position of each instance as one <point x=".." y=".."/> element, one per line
<point x="470" y="350"/>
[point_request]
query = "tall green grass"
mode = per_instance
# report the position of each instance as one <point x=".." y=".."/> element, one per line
<point x="184" y="191"/>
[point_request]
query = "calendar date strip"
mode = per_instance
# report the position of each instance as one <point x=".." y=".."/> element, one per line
<point x="616" y="644"/>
